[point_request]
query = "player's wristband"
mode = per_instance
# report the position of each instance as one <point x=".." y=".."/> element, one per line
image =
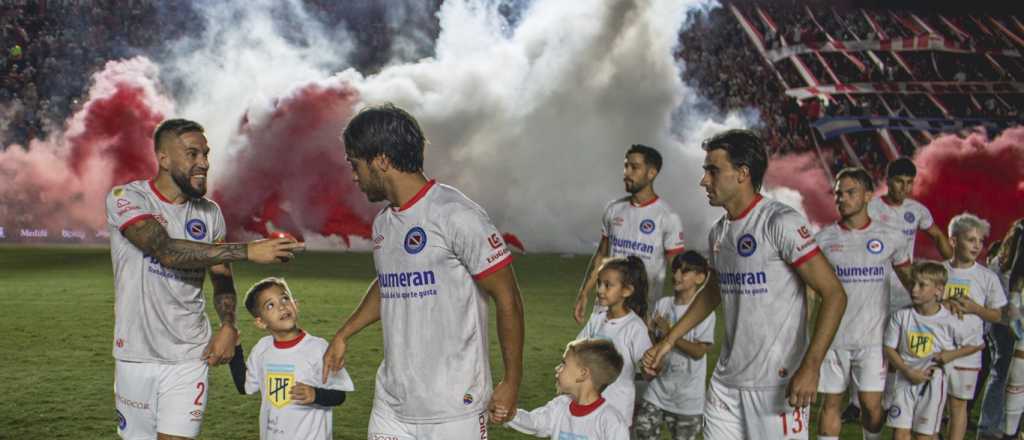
<point x="325" y="397"/>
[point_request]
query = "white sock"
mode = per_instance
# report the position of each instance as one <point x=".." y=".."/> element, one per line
<point x="871" y="435"/>
<point x="1014" y="396"/>
<point x="822" y="437"/>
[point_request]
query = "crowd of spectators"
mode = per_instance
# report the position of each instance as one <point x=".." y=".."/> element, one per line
<point x="725" y="66"/>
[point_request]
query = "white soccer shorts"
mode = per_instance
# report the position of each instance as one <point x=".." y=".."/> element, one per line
<point x="917" y="407"/>
<point x="160" y="398"/>
<point x="732" y="413"/>
<point x="384" y="425"/>
<point x="962" y="382"/>
<point x="866" y="366"/>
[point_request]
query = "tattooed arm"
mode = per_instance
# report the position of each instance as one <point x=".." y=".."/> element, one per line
<point x="151" y="237"/>
<point x="222" y="345"/>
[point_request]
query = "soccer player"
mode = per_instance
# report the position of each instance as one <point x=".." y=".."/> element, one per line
<point x="438" y="258"/>
<point x="164" y="236"/>
<point x="284" y="368"/>
<point x="764" y="255"/>
<point x="863" y="253"/>
<point x="640" y="224"/>
<point x="975" y="291"/>
<point x="1012" y="256"/>
<point x="580" y="411"/>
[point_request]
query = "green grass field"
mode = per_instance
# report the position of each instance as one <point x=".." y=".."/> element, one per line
<point x="58" y="369"/>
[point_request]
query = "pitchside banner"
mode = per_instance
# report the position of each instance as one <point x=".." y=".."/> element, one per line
<point x="831" y="127"/>
<point x="924" y="42"/>
<point x="933" y="87"/>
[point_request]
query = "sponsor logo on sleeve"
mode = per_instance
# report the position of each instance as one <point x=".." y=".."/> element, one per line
<point x="647" y="226"/>
<point x="494" y="240"/>
<point x="875" y="246"/>
<point x="196" y="229"/>
<point x="746" y="245"/>
<point x="415" y="240"/>
<point x="909" y="217"/>
<point x="118" y="191"/>
<point x="804" y="232"/>
<point x="121" y="203"/>
<point x="378" y="241"/>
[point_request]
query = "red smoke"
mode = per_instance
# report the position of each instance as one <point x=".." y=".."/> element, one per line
<point x="803" y="173"/>
<point x="975" y="174"/>
<point x="289" y="168"/>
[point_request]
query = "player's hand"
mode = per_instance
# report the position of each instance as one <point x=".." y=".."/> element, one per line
<point x="661" y="325"/>
<point x="654" y="357"/>
<point x="276" y="250"/>
<point x="502" y="407"/>
<point x="967" y="304"/>
<point x="916" y="376"/>
<point x="803" y="387"/>
<point x="303" y="394"/>
<point x="334" y="357"/>
<point x="943" y="357"/>
<point x="955" y="307"/>
<point x="579" y="311"/>
<point x="221" y="348"/>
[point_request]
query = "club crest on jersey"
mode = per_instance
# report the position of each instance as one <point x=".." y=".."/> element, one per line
<point x="746" y="245"/>
<point x="909" y="217"/>
<point x="875" y="246"/>
<point x="647" y="226"/>
<point x="279" y="386"/>
<point x="196" y="229"/>
<point x="415" y="240"/>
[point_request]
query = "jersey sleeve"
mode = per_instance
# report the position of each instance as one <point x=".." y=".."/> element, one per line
<point x="127" y="206"/>
<point x="477" y="243"/>
<point x="253" y="372"/>
<point x="340" y="380"/>
<point x="892" y="332"/>
<point x="705" y="331"/>
<point x="606" y="220"/>
<point x="995" y="297"/>
<point x="590" y="328"/>
<point x="965" y="335"/>
<point x="926" y="220"/>
<point x="791" y="235"/>
<point x="641" y="342"/>
<point x="541" y="421"/>
<point x="672" y="240"/>
<point x="219" y="230"/>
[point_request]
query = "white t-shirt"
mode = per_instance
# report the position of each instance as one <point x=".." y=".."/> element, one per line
<point x="983" y="287"/>
<point x="763" y="304"/>
<point x="918" y="338"/>
<point x="863" y="259"/>
<point x="159" y="312"/>
<point x="679" y="387"/>
<point x="909" y="217"/>
<point x="428" y="255"/>
<point x="561" y="419"/>
<point x="629" y="335"/>
<point x="273" y="368"/>
<point x="651" y="231"/>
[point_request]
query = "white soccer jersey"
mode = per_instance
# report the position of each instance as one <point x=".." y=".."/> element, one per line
<point x="908" y="217"/>
<point x="679" y="387"/>
<point x="863" y="259"/>
<point x="649" y="231"/>
<point x="756" y="256"/>
<point x="273" y="368"/>
<point x="562" y="419"/>
<point x="428" y="254"/>
<point x="918" y="338"/>
<point x="159" y="311"/>
<point x="629" y="335"/>
<point x="983" y="287"/>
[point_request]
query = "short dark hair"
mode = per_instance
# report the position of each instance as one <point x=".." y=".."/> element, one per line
<point x="690" y="260"/>
<point x="254" y="292"/>
<point x="600" y="357"/>
<point x="388" y="131"/>
<point x="176" y="127"/>
<point x="744" y="149"/>
<point x="900" y="167"/>
<point x="859" y="174"/>
<point x="652" y="157"/>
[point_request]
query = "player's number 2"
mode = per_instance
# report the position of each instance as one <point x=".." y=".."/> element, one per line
<point x="202" y="389"/>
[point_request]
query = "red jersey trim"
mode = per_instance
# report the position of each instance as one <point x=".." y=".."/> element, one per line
<point x="673" y="252"/>
<point x="645" y="204"/>
<point x="159" y="195"/>
<point x="905" y="263"/>
<point x="757" y="199"/>
<point x="843" y="227"/>
<point x="291" y="342"/>
<point x="578" y="410"/>
<point x="419" y="195"/>
<point x="496" y="267"/>
<point x="800" y="261"/>
<point x="135" y="220"/>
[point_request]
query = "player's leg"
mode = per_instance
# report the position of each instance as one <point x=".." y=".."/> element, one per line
<point x="1000" y="346"/>
<point x="899" y="404"/>
<point x="957" y="418"/>
<point x="962" y="384"/>
<point x="832" y="383"/>
<point x="929" y="399"/>
<point x="723" y="416"/>
<point x="469" y="428"/>
<point x="767" y="415"/>
<point x="1015" y="391"/>
<point x="182" y="397"/>
<point x="647" y="421"/>
<point x="868" y="371"/>
<point x="135" y="399"/>
<point x="901" y="434"/>
<point x="384" y="424"/>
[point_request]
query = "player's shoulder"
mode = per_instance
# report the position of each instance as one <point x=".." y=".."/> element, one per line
<point x="452" y="201"/>
<point x="134" y="188"/>
<point x="315" y="342"/>
<point x="265" y="343"/>
<point x="616" y="203"/>
<point x="986" y="272"/>
<point x="776" y="209"/>
<point x="829" y="231"/>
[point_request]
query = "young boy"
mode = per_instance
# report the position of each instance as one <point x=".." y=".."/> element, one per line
<point x="281" y="366"/>
<point x="676" y="395"/>
<point x="919" y="341"/>
<point x="579" y="412"/>
<point x="975" y="292"/>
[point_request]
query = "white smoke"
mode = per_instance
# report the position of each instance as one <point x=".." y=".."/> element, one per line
<point x="532" y="124"/>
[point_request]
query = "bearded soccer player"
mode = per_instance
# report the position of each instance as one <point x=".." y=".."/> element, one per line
<point x="438" y="259"/>
<point x="640" y="224"/>
<point x="164" y="236"/>
<point x="764" y="256"/>
<point x="863" y="252"/>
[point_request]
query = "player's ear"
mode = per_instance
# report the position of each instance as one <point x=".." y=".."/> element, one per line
<point x="701" y="278"/>
<point x="742" y="173"/>
<point x="652" y="173"/>
<point x="584" y="375"/>
<point x="163" y="156"/>
<point x="381" y="162"/>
